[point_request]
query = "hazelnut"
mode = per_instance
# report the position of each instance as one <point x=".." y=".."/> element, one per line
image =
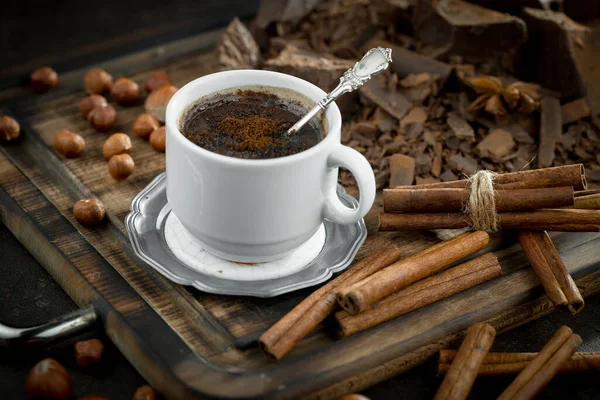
<point x="68" y="143"/>
<point x="88" y="352"/>
<point x="145" y="393"/>
<point x="89" y="211"/>
<point x="9" y="128"/>
<point x="93" y="397"/>
<point x="117" y="143"/>
<point x="158" y="139"/>
<point x="48" y="380"/>
<point x="354" y="396"/>
<point x="102" y="118"/>
<point x="43" y="79"/>
<point x="120" y="166"/>
<point x="125" y="91"/>
<point x="156" y="103"/>
<point x="95" y="100"/>
<point x="156" y="80"/>
<point x="97" y="81"/>
<point x="144" y="125"/>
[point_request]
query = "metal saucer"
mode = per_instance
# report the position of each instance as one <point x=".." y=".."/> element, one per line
<point x="145" y="226"/>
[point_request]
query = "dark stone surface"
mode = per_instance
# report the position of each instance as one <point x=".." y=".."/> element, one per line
<point x="29" y="295"/>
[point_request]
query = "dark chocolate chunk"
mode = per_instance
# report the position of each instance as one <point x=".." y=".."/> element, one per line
<point x="237" y="48"/>
<point x="460" y="28"/>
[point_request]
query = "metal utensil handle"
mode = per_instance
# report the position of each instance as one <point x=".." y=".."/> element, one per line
<point x="53" y="330"/>
<point x="374" y="61"/>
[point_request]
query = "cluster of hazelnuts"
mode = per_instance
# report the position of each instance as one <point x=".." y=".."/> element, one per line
<point x="102" y="116"/>
<point x="117" y="148"/>
<point x="49" y="379"/>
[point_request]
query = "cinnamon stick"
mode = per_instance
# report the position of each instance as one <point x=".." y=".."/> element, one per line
<point x="363" y="294"/>
<point x="567" y="220"/>
<point x="540" y="371"/>
<point x="463" y="371"/>
<point x="422" y="293"/>
<point x="587" y="199"/>
<point x="586" y="192"/>
<point x="566" y="175"/>
<point x="288" y="331"/>
<point x="454" y="199"/>
<point x="551" y="271"/>
<point x="495" y="364"/>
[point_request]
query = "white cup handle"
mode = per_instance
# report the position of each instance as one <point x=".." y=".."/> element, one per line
<point x="357" y="164"/>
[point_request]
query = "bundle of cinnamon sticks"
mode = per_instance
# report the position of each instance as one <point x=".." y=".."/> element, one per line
<point x="380" y="288"/>
<point x="540" y="199"/>
<point x="295" y="325"/>
<point x="535" y="370"/>
<point x="367" y="292"/>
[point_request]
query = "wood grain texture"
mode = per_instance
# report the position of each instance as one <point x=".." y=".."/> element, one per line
<point x="194" y="344"/>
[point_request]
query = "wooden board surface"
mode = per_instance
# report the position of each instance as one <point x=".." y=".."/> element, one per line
<point x="189" y="343"/>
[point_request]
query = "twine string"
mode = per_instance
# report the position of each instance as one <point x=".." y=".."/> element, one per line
<point x="481" y="206"/>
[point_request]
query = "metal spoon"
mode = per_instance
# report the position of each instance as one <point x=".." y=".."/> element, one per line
<point x="374" y="61"/>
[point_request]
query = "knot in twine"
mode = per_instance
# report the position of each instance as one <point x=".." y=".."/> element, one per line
<point x="481" y="206"/>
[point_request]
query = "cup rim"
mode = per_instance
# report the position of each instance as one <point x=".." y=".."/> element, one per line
<point x="174" y="110"/>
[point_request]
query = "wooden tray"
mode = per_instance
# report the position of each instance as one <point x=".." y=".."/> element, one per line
<point x="191" y="344"/>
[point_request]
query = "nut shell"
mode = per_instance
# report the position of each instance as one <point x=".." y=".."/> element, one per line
<point x="117" y="143"/>
<point x="156" y="80"/>
<point x="87" y="104"/>
<point x="9" y="128"/>
<point x="354" y="396"/>
<point x="68" y="143"/>
<point x="89" y="211"/>
<point x="43" y="79"/>
<point x="158" y="139"/>
<point x="88" y="352"/>
<point x="144" y="125"/>
<point x="120" y="166"/>
<point x="125" y="91"/>
<point x="48" y="379"/>
<point x="156" y="103"/>
<point x="97" y="81"/>
<point x="102" y="118"/>
<point x="145" y="393"/>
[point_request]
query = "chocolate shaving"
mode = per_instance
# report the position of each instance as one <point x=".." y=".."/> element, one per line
<point x="391" y="101"/>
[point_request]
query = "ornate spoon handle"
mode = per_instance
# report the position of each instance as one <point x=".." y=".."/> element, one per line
<point x="375" y="61"/>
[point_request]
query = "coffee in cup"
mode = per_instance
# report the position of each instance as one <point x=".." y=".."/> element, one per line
<point x="249" y="123"/>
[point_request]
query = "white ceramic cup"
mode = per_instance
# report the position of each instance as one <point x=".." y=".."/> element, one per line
<point x="259" y="210"/>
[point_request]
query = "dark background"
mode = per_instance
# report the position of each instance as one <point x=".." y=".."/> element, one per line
<point x="73" y="34"/>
